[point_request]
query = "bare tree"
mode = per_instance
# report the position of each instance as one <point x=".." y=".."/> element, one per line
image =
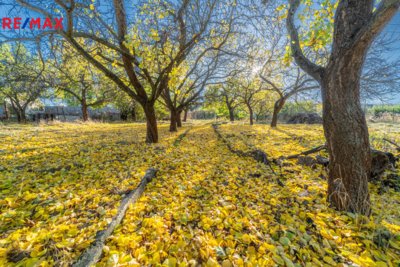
<point x="296" y="85"/>
<point x="356" y="24"/>
<point x="78" y="79"/>
<point x="21" y="85"/>
<point x="380" y="77"/>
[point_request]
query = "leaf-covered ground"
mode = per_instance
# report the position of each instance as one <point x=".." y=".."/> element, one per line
<point x="207" y="207"/>
<point x="60" y="184"/>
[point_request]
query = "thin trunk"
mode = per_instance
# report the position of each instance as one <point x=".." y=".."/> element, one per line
<point x="124" y="115"/>
<point x="185" y="115"/>
<point x="277" y="108"/>
<point x="230" y="109"/>
<point x="250" y="113"/>
<point x="21" y="115"/>
<point x="151" y="123"/>
<point x="231" y="114"/>
<point x="173" y="122"/>
<point x="347" y="136"/>
<point x="133" y="113"/>
<point x="6" y="111"/>
<point x="178" y="118"/>
<point x="17" y="110"/>
<point x="84" y="107"/>
<point x="19" y="120"/>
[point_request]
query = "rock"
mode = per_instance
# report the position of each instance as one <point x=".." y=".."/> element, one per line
<point x="381" y="161"/>
<point x="306" y="118"/>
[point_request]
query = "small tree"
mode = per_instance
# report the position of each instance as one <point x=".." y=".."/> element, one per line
<point x="21" y="85"/>
<point x="291" y="86"/>
<point x="250" y="90"/>
<point x="75" y="78"/>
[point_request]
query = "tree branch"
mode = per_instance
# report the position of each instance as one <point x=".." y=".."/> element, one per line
<point x="311" y="68"/>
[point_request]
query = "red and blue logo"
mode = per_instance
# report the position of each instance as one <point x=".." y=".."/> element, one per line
<point x="31" y="23"/>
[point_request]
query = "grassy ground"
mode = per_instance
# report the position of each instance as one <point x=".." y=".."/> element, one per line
<point x="61" y="183"/>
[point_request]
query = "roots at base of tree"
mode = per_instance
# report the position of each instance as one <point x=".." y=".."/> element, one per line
<point x="381" y="162"/>
<point x="93" y="253"/>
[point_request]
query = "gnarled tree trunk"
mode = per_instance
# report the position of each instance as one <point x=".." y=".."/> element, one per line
<point x="346" y="134"/>
<point x="151" y="123"/>
<point x="133" y="113"/>
<point x="357" y="23"/>
<point x="277" y="108"/>
<point x="173" y="121"/>
<point x="231" y="114"/>
<point x="178" y="118"/>
<point x="84" y="107"/>
<point x="19" y="111"/>
<point x="185" y="115"/>
<point x="251" y="113"/>
<point x="6" y="114"/>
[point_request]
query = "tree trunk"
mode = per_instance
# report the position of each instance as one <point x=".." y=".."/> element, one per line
<point x="250" y="113"/>
<point x="19" y="111"/>
<point x="151" y="123"/>
<point x="277" y="108"/>
<point x="345" y="128"/>
<point x="84" y="107"/>
<point x="346" y="133"/>
<point x="18" y="116"/>
<point x="23" y="115"/>
<point x="178" y="118"/>
<point x="133" y="113"/>
<point x="185" y="115"/>
<point x="6" y="111"/>
<point x="124" y="115"/>
<point x="231" y="114"/>
<point x="173" y="121"/>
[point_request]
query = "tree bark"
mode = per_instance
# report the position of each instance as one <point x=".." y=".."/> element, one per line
<point x="355" y="27"/>
<point x="19" y="111"/>
<point x="230" y="109"/>
<point x="173" y="121"/>
<point x="151" y="123"/>
<point x="23" y="115"/>
<point x="6" y="111"/>
<point x="133" y="113"/>
<point x="94" y="252"/>
<point x="18" y="116"/>
<point x="124" y="115"/>
<point x="178" y="118"/>
<point x="185" y="115"/>
<point x="250" y="113"/>
<point x="346" y="133"/>
<point x="277" y="108"/>
<point x="231" y="114"/>
<point x="84" y="107"/>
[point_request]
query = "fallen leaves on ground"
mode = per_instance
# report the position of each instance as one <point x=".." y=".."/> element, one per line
<point x="62" y="183"/>
<point x="206" y="207"/>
